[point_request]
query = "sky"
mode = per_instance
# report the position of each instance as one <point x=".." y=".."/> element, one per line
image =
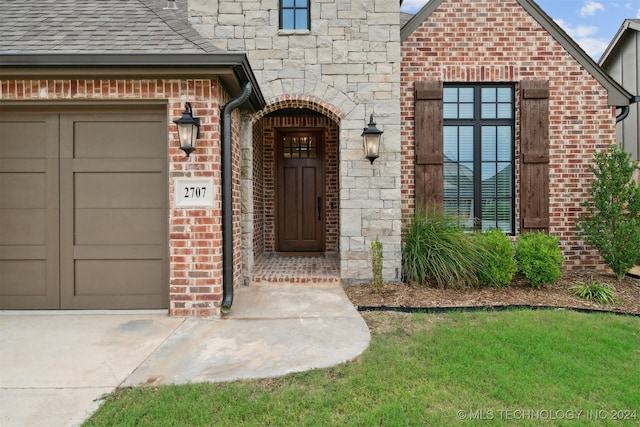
<point x="591" y="23"/>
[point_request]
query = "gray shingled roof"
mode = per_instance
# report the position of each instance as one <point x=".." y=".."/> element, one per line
<point x="97" y="26"/>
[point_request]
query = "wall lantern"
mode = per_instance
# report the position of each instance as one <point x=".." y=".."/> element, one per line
<point x="371" y="139"/>
<point x="188" y="129"/>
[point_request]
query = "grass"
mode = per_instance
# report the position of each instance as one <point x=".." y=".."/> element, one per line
<point x="424" y="369"/>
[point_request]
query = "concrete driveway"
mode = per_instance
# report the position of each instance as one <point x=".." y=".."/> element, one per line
<point x="56" y="366"/>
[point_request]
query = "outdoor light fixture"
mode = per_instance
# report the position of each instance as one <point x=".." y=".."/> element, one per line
<point x="371" y="139"/>
<point x="188" y="129"/>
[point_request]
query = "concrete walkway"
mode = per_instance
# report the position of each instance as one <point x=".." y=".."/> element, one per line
<point x="55" y="366"/>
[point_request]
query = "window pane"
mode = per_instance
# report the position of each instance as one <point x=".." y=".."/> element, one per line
<point x="488" y="214"/>
<point x="465" y="180"/>
<point x="450" y="143"/>
<point x="301" y="3"/>
<point x="465" y="142"/>
<point x="489" y="180"/>
<point x="504" y="180"/>
<point x="450" y="111"/>
<point x="489" y="138"/>
<point x="466" y="111"/>
<point x="488" y="111"/>
<point x="450" y="94"/>
<point x="287" y="19"/>
<point x="504" y="215"/>
<point x="488" y="94"/>
<point x="465" y="94"/>
<point x="301" y="19"/>
<point x="504" y="94"/>
<point x="504" y="111"/>
<point x="504" y="143"/>
<point x="287" y="3"/>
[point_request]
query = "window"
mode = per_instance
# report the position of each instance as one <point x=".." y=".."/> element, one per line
<point x="478" y="158"/>
<point x="294" y="14"/>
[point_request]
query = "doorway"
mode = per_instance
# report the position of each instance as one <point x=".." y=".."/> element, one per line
<point x="300" y="190"/>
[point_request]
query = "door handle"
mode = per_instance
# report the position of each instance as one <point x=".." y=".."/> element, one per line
<point x="319" y="208"/>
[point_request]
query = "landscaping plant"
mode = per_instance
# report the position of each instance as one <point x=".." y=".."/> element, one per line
<point x="613" y="222"/>
<point x="596" y="291"/>
<point x="376" y="264"/>
<point x="498" y="264"/>
<point x="437" y="249"/>
<point x="539" y="258"/>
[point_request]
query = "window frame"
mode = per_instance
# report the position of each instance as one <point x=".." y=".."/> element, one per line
<point x="477" y="122"/>
<point x="295" y="8"/>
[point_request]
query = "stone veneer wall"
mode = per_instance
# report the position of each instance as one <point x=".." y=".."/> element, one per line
<point x="195" y="235"/>
<point x="497" y="41"/>
<point x="348" y="63"/>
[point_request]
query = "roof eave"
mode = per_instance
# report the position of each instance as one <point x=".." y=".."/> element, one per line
<point x="617" y="95"/>
<point x="232" y="68"/>
<point x="626" y="26"/>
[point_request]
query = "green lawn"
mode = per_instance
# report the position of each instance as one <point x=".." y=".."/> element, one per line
<point x="509" y="368"/>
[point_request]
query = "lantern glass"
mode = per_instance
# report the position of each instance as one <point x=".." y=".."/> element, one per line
<point x="371" y="139"/>
<point x="371" y="145"/>
<point x="187" y="133"/>
<point x="188" y="130"/>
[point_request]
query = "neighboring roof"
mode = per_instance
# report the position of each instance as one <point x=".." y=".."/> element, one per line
<point x="627" y="26"/>
<point x="102" y="26"/>
<point x="618" y="96"/>
<point x="113" y="39"/>
<point x="404" y="18"/>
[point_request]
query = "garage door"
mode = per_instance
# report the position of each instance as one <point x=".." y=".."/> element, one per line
<point x="83" y="210"/>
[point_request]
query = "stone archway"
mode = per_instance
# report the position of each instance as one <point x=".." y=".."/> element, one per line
<point x="259" y="171"/>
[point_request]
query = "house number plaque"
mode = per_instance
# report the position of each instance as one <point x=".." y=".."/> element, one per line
<point x="194" y="193"/>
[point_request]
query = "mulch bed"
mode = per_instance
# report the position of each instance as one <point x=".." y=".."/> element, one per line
<point x="409" y="296"/>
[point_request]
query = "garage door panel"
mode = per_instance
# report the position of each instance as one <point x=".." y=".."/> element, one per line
<point x="24" y="137"/>
<point x="119" y="190"/>
<point x="23" y="190"/>
<point x="29" y="211"/>
<point x="119" y="252"/>
<point x="118" y="165"/>
<point x="113" y="202"/>
<point x="135" y="138"/>
<point x="23" y="278"/>
<point x="119" y="227"/>
<point x="117" y="277"/>
<point x="23" y="227"/>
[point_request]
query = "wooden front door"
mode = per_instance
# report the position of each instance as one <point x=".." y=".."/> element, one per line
<point x="300" y="184"/>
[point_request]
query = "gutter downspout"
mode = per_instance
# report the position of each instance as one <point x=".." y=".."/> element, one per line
<point x="227" y="199"/>
<point x="625" y="109"/>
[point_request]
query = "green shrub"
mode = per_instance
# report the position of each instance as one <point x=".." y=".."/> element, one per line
<point x="498" y="264"/>
<point x="436" y="249"/>
<point x="613" y="222"/>
<point x="600" y="292"/>
<point x="539" y="258"/>
<point x="376" y="264"/>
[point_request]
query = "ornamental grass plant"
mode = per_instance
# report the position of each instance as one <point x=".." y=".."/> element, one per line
<point x="437" y="250"/>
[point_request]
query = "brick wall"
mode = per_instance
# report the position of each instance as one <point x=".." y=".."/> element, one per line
<point x="195" y="235"/>
<point x="497" y="41"/>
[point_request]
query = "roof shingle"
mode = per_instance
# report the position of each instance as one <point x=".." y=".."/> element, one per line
<point x="97" y="26"/>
